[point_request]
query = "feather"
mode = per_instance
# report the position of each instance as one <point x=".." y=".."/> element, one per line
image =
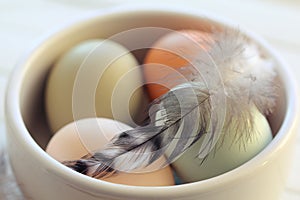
<point x="224" y="82"/>
<point x="139" y="147"/>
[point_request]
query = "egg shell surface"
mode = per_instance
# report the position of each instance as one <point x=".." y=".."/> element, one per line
<point x="232" y="150"/>
<point x="88" y="135"/>
<point x="96" y="78"/>
<point x="169" y="61"/>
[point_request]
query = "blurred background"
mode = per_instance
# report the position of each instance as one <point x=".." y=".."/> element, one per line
<point x="25" y="23"/>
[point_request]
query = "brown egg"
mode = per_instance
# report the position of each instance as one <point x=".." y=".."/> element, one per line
<point x="87" y="135"/>
<point x="166" y="61"/>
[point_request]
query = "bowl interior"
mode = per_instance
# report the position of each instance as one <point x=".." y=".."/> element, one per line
<point x="43" y="58"/>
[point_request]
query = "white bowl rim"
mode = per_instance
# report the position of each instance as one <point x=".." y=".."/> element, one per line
<point x="98" y="187"/>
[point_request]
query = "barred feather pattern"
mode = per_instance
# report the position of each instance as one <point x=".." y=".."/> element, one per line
<point x="225" y="82"/>
<point x="143" y="145"/>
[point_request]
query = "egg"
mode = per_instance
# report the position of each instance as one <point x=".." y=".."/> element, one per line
<point x="87" y="135"/>
<point x="95" y="78"/>
<point x="231" y="151"/>
<point x="166" y="61"/>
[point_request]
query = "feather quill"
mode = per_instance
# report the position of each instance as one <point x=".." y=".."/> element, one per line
<point x="224" y="83"/>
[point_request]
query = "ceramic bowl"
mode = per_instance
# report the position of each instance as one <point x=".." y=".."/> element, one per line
<point x="42" y="177"/>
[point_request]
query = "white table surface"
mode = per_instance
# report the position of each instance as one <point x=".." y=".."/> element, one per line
<point x="24" y="22"/>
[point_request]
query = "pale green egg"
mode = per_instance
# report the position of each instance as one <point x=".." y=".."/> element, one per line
<point x="231" y="151"/>
<point x="96" y="78"/>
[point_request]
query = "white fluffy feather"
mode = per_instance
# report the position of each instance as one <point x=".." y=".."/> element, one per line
<point x="226" y="81"/>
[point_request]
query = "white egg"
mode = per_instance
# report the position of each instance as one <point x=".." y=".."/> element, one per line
<point x="96" y="78"/>
<point x="87" y="135"/>
<point x="232" y="150"/>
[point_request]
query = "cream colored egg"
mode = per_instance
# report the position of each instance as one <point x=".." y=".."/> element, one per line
<point x="230" y="152"/>
<point x="87" y="135"/>
<point x="96" y="78"/>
